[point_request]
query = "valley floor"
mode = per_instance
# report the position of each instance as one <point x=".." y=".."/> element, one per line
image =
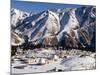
<point x="48" y="60"/>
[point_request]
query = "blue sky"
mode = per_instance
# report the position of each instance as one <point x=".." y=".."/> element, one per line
<point x="39" y="6"/>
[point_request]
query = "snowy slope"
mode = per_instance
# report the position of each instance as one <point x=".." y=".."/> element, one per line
<point x="17" y="16"/>
<point x="16" y="40"/>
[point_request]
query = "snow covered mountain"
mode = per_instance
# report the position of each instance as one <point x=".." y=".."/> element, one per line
<point x="74" y="27"/>
<point x="17" y="16"/>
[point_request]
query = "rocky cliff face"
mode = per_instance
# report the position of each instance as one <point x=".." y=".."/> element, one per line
<point x="75" y="28"/>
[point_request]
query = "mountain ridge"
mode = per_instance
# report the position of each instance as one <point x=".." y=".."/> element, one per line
<point x="74" y="28"/>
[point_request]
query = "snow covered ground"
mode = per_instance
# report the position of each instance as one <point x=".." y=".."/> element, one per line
<point x="73" y="60"/>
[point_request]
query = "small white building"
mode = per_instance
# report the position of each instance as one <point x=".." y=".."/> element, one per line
<point x="42" y="61"/>
<point x="55" y="57"/>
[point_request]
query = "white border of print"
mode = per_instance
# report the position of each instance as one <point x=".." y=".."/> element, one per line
<point x="87" y="2"/>
<point x="5" y="37"/>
